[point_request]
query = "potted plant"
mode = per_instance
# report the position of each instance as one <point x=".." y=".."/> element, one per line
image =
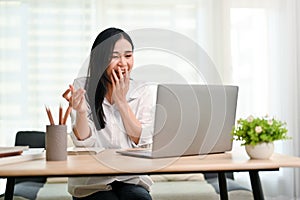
<point x="258" y="135"/>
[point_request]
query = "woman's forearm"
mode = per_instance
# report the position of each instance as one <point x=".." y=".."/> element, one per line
<point x="132" y="125"/>
<point x="82" y="130"/>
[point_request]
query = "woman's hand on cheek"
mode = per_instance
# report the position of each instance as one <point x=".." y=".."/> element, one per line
<point x="127" y="78"/>
<point x="124" y="79"/>
<point x="120" y="86"/>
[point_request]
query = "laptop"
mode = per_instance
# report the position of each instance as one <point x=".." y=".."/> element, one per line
<point x="191" y="120"/>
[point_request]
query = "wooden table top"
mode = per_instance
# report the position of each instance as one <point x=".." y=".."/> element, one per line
<point x="109" y="162"/>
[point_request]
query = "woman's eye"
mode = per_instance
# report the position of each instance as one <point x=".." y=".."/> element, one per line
<point x="115" y="56"/>
<point x="128" y="56"/>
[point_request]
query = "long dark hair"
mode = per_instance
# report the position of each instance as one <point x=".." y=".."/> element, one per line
<point x="97" y="81"/>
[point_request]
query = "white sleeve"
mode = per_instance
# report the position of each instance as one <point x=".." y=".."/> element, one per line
<point x="146" y="115"/>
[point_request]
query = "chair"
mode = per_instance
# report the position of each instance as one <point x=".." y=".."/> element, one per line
<point x="34" y="139"/>
<point x="28" y="187"/>
<point x="212" y="178"/>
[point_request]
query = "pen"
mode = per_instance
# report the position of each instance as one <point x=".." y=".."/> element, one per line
<point x="49" y="115"/>
<point x="68" y="111"/>
<point x="60" y="114"/>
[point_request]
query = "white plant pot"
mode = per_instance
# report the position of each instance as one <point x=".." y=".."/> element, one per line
<point x="260" y="151"/>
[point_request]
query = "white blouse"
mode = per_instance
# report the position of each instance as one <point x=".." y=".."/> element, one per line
<point x="141" y="98"/>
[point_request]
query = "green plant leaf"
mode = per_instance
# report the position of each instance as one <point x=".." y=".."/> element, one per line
<point x="260" y="129"/>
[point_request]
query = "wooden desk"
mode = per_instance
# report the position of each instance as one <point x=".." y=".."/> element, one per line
<point x="110" y="163"/>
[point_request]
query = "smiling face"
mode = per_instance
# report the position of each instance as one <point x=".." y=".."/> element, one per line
<point x="122" y="57"/>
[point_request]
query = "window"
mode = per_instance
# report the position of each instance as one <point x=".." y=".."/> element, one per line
<point x="249" y="50"/>
<point x="44" y="44"/>
<point x="42" y="47"/>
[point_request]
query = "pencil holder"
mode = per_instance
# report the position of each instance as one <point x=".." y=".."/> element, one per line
<point x="56" y="142"/>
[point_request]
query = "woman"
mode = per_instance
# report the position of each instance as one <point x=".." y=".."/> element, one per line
<point x="112" y="111"/>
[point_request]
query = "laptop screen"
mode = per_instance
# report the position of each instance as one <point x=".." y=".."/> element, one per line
<point x="193" y="119"/>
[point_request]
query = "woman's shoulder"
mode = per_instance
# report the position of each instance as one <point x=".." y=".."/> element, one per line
<point x="140" y="84"/>
<point x="139" y="88"/>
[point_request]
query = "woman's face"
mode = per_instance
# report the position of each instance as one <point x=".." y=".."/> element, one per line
<point x="122" y="57"/>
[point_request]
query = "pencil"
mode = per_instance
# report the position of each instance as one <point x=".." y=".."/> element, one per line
<point x="49" y="116"/>
<point x="60" y="114"/>
<point x="68" y="111"/>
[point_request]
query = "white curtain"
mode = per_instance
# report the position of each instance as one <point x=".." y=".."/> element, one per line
<point x="43" y="44"/>
<point x="253" y="44"/>
<point x="264" y="45"/>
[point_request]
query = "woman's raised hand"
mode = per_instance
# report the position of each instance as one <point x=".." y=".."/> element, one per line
<point x="120" y="85"/>
<point x="76" y="99"/>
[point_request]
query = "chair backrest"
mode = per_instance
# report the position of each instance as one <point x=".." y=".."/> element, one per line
<point x="34" y="139"/>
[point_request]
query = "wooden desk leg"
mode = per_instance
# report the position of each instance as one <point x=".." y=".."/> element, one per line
<point x="256" y="185"/>
<point x="9" y="190"/>
<point x="223" y="185"/>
